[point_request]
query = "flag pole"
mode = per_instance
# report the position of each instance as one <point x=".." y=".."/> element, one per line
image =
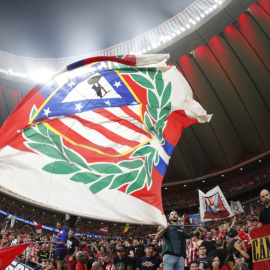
<point x="200" y="225"/>
<point x="4" y="233"/>
<point x="51" y="248"/>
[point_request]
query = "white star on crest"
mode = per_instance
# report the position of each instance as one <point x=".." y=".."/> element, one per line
<point x="108" y="103"/>
<point x="102" y="65"/>
<point x="71" y="83"/>
<point x="117" y="84"/>
<point x="47" y="111"/>
<point x="78" y="107"/>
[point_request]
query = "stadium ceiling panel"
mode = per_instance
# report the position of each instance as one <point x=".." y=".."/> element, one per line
<point x="222" y="49"/>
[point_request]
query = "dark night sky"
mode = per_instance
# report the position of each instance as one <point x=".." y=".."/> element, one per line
<point x="61" y="28"/>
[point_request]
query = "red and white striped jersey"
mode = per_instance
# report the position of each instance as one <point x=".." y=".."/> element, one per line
<point x="34" y="251"/>
<point x="191" y="253"/>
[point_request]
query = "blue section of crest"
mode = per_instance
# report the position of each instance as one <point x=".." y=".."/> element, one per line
<point x="161" y="166"/>
<point x="168" y="147"/>
<point x="55" y="94"/>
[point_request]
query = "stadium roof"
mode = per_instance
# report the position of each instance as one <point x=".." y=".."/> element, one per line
<point x="222" y="48"/>
<point x="64" y="28"/>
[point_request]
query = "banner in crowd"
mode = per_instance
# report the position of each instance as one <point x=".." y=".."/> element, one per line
<point x="126" y="229"/>
<point x="182" y="220"/>
<point x="213" y="205"/>
<point x="195" y="219"/>
<point x="236" y="208"/>
<point x="8" y="254"/>
<point x="103" y="230"/>
<point x="38" y="227"/>
<point x="251" y="209"/>
<point x="101" y="131"/>
<point x="260" y="241"/>
<point x="12" y="220"/>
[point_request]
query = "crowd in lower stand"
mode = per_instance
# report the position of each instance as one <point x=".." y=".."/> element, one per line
<point x="137" y="249"/>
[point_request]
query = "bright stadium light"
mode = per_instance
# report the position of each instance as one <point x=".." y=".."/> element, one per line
<point x="40" y="76"/>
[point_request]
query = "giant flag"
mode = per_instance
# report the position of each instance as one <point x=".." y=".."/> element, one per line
<point x="96" y="139"/>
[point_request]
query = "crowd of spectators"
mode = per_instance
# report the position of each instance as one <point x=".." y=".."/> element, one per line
<point x="229" y="187"/>
<point x="97" y="251"/>
<point x="48" y="218"/>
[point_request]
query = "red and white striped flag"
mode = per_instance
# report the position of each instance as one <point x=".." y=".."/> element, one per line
<point x="103" y="230"/>
<point x="38" y="227"/>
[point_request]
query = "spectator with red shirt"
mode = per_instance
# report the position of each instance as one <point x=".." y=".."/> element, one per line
<point x="191" y="252"/>
<point x="215" y="236"/>
<point x="5" y="240"/>
<point x="101" y="255"/>
<point x="244" y="237"/>
<point x="83" y="246"/>
<point x="34" y="250"/>
<point x="196" y="239"/>
<point x="81" y="261"/>
<point x="109" y="261"/>
<point x="221" y="232"/>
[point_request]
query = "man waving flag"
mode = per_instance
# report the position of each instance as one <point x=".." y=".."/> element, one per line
<point x="96" y="139"/>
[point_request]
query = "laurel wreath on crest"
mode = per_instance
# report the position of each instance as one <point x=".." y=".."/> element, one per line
<point x="135" y="172"/>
